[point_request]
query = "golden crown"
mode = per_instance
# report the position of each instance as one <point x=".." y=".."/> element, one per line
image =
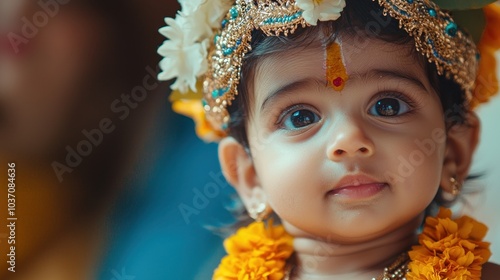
<point x="437" y="37"/>
<point x="218" y="56"/>
<point x="233" y="42"/>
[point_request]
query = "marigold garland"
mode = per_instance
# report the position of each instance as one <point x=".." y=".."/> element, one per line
<point x="487" y="82"/>
<point x="449" y="249"/>
<point x="256" y="252"/>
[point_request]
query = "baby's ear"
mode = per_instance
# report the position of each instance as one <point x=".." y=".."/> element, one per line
<point x="238" y="168"/>
<point x="461" y="143"/>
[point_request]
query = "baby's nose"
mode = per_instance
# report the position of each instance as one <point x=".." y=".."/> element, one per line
<point x="349" y="140"/>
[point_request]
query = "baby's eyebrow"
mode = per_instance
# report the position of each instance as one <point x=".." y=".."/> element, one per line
<point x="390" y="74"/>
<point x="371" y="74"/>
<point x="290" y="88"/>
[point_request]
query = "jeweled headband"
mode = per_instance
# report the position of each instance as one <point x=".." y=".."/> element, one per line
<point x="208" y="39"/>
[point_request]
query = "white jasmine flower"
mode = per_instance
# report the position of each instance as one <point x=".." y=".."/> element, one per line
<point x="322" y="10"/>
<point x="203" y="16"/>
<point x="184" y="59"/>
<point x="174" y="32"/>
<point x="186" y="64"/>
<point x="196" y="26"/>
<point x="186" y="49"/>
<point x="216" y="10"/>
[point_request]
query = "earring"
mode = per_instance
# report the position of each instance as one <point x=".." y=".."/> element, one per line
<point x="259" y="211"/>
<point x="456" y="187"/>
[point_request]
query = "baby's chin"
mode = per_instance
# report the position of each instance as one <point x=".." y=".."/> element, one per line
<point x="325" y="235"/>
<point x="357" y="235"/>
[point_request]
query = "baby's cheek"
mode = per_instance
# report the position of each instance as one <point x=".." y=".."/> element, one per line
<point x="416" y="175"/>
<point x="278" y="185"/>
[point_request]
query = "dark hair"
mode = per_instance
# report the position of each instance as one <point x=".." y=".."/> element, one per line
<point x="362" y="17"/>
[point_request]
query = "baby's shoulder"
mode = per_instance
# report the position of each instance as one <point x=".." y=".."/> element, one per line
<point x="490" y="271"/>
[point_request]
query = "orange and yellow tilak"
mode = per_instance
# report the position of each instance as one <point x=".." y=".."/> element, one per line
<point x="336" y="74"/>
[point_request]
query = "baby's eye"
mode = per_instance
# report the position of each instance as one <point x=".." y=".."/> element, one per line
<point x="300" y="118"/>
<point x="388" y="107"/>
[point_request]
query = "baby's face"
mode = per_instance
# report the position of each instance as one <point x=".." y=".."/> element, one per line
<point x="337" y="164"/>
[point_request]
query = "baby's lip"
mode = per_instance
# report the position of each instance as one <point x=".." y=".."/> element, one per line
<point x="356" y="187"/>
<point x="355" y="180"/>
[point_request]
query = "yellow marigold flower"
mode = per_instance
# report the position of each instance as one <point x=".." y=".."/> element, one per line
<point x="449" y="249"/>
<point x="256" y="252"/>
<point x="190" y="105"/>
<point x="487" y="82"/>
<point x="194" y="109"/>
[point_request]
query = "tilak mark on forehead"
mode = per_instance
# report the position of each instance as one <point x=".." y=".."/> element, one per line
<point x="336" y="75"/>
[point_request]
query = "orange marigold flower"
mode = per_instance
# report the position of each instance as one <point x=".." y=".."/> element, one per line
<point x="486" y="81"/>
<point x="256" y="252"/>
<point x="194" y="109"/>
<point x="449" y="249"/>
<point x="190" y="105"/>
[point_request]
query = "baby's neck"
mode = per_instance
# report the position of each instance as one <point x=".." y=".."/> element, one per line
<point x="320" y="259"/>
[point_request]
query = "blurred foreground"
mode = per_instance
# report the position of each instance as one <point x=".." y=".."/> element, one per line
<point x="100" y="161"/>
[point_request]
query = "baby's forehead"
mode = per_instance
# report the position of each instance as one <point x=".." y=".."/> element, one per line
<point x="357" y="57"/>
<point x="303" y="69"/>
